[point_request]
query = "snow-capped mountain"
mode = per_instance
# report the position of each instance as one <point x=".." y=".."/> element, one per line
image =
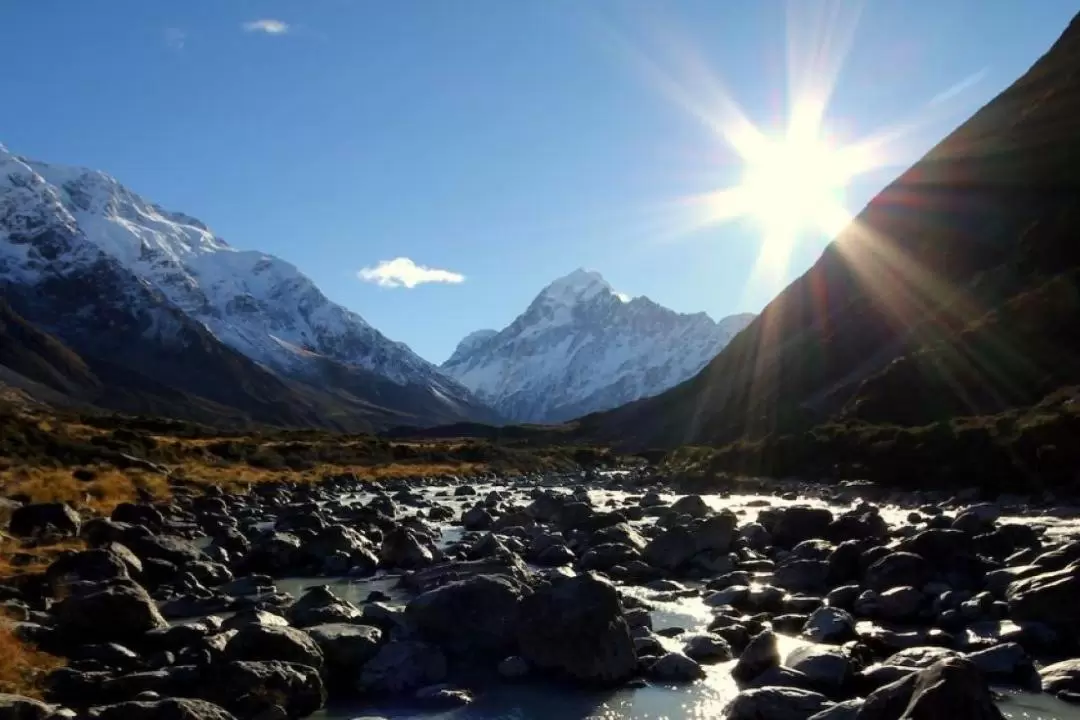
<point x="581" y="347"/>
<point x="80" y="235"/>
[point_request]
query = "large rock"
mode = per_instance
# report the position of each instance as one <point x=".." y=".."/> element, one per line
<point x="950" y="688"/>
<point x="275" y="554"/>
<point x="120" y="611"/>
<point x="402" y="666"/>
<point x="1007" y="664"/>
<point x="167" y="709"/>
<point x="39" y="518"/>
<point x="99" y="565"/>
<point x="17" y="707"/>
<point x="829" y="625"/>
<point x="692" y="505"/>
<point x="897" y="569"/>
<point x="346" y="647"/>
<point x="478" y="615"/>
<point x="248" y="688"/>
<point x="899" y="603"/>
<point x="401" y="548"/>
<point x="1052" y="598"/>
<point x="797" y="523"/>
<point x="802" y="576"/>
<point x="319" y="606"/>
<point x="268" y="642"/>
<point x="1062" y="677"/>
<point x="828" y="669"/>
<point x="676" y="668"/>
<point x="760" y="655"/>
<point x="575" y="627"/>
<point x="775" y="703"/>
<point x="671" y="550"/>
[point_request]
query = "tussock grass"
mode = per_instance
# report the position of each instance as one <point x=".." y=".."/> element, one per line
<point x="22" y="667"/>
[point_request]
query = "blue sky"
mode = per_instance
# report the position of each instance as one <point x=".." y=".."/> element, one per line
<point x="504" y="142"/>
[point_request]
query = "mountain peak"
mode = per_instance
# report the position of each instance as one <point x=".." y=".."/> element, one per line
<point x="579" y="285"/>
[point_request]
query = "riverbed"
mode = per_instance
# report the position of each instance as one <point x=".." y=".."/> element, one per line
<point x="704" y="698"/>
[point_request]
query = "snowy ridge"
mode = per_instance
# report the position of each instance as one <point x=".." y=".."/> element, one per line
<point x="257" y="304"/>
<point x="581" y="347"/>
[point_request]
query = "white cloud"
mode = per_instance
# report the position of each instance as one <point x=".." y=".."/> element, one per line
<point x="403" y="272"/>
<point x="268" y="26"/>
<point x="623" y="296"/>
<point x="175" y="38"/>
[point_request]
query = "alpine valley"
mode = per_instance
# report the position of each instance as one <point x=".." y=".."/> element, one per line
<point x="112" y="301"/>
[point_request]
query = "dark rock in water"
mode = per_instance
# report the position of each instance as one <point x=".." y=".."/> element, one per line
<point x="760" y="655"/>
<point x="997" y="582"/>
<point x="605" y="556"/>
<point x="676" y="667"/>
<point x="899" y="603"/>
<point x="843" y="597"/>
<point x="557" y="556"/>
<point x="897" y="569"/>
<point x="477" y="518"/>
<point x="813" y="550"/>
<point x="16" y="707"/>
<point x="1052" y="598"/>
<point x="275" y="554"/>
<point x="780" y="676"/>
<point x="118" y="611"/>
<point x="402" y="666"/>
<point x="828" y="669"/>
<point x="1061" y="677"/>
<point x="248" y="688"/>
<point x="756" y="536"/>
<point x="253" y="617"/>
<point x="797" y="523"/>
<point x="950" y="688"/>
<point x="1058" y="558"/>
<point x="41" y="518"/>
<point x="514" y="667"/>
<point x="775" y="703"/>
<point x="619" y="533"/>
<point x="846" y="710"/>
<point x="402" y="549"/>
<point x="706" y="648"/>
<point x="438" y="575"/>
<point x="920" y="657"/>
<point x="464" y="491"/>
<point x="829" y="625"/>
<point x="575" y="626"/>
<point x="802" y="576"/>
<point x="1007" y="664"/>
<point x="319" y="606"/>
<point x="442" y="697"/>
<point x="844" y="562"/>
<point x="338" y="539"/>
<point x="692" y="505"/>
<point x="878" y="676"/>
<point x="473" y="617"/>
<point x="346" y="647"/>
<point x="671" y="550"/>
<point x="168" y="709"/>
<point x="264" y="642"/>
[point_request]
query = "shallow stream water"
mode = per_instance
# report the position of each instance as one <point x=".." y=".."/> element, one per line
<point x="703" y="699"/>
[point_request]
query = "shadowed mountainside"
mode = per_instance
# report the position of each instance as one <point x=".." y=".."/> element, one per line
<point x="953" y="294"/>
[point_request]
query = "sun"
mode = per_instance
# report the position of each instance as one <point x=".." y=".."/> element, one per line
<point x="790" y="186"/>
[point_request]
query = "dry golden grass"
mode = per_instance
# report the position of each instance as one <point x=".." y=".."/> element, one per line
<point x="237" y="478"/>
<point x="23" y="668"/>
<point x="108" y="488"/>
<point x="18" y="557"/>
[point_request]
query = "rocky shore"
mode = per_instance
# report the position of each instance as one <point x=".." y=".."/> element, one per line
<point x="174" y="610"/>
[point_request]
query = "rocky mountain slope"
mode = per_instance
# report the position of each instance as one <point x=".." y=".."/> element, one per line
<point x="581" y="347"/>
<point x="159" y="306"/>
<point x="954" y="293"/>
